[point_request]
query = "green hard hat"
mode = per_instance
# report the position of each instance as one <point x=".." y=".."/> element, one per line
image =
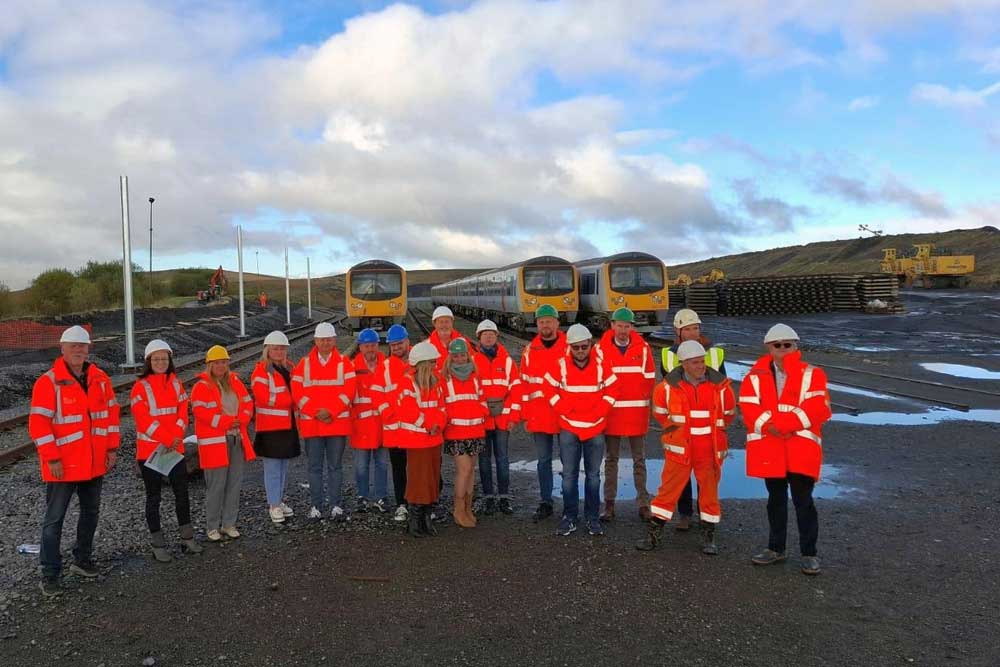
<point x="623" y="315"/>
<point x="458" y="346"/>
<point x="546" y="311"/>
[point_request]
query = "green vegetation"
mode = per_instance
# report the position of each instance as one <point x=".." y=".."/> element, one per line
<point x="6" y="300"/>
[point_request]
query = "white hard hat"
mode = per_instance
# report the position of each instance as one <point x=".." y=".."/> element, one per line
<point x="276" y="338"/>
<point x="690" y="349"/>
<point x="75" y="334"/>
<point x="780" y="332"/>
<point x="325" y="330"/>
<point x="685" y="317"/>
<point x="442" y="311"/>
<point x="156" y="345"/>
<point x="423" y="352"/>
<point x="486" y="325"/>
<point x="577" y="334"/>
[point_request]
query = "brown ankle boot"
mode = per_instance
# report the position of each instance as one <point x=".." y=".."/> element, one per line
<point x="609" y="511"/>
<point x="458" y="513"/>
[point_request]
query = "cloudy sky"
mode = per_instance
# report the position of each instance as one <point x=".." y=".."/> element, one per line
<point x="476" y="133"/>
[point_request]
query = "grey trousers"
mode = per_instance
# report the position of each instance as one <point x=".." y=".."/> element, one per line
<point x="222" y="489"/>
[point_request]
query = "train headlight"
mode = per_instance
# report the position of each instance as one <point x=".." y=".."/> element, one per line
<point x="618" y="300"/>
<point x="657" y="298"/>
<point x="532" y="301"/>
<point x="567" y="300"/>
<point x="393" y="305"/>
<point x="357" y="305"/>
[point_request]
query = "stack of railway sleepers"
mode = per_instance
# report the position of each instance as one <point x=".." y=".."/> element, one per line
<point x="845" y="291"/>
<point x="677" y="295"/>
<point x="882" y="287"/>
<point x="704" y="298"/>
<point x="778" y="295"/>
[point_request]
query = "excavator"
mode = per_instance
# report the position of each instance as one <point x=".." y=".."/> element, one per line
<point x="930" y="269"/>
<point x="217" y="286"/>
<point x="683" y="279"/>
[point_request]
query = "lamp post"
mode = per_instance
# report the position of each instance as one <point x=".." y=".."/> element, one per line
<point x="151" y="200"/>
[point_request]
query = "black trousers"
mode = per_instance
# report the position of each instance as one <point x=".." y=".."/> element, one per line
<point x="805" y="512"/>
<point x="397" y="457"/>
<point x="685" y="504"/>
<point x="153" y="482"/>
<point x="57" y="498"/>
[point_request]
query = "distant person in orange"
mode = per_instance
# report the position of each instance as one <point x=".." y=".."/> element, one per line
<point x="263" y="300"/>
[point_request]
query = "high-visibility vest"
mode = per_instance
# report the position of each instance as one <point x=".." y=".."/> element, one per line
<point x="330" y="386"/>
<point x="71" y="426"/>
<point x="272" y="399"/>
<point x="366" y="423"/>
<point x="388" y="386"/>
<point x="500" y="381"/>
<point x="211" y="423"/>
<point x="419" y="412"/>
<point x="714" y="356"/>
<point x="800" y="412"/>
<point x="686" y="423"/>
<point x="465" y="407"/>
<point x="536" y="361"/>
<point x="582" y="397"/>
<point x="636" y="375"/>
<point x="160" y="411"/>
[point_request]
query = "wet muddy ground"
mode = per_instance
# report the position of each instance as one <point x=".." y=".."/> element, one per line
<point x="909" y="527"/>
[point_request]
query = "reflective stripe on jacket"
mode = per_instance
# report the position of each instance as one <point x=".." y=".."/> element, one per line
<point x="693" y="416"/>
<point x="501" y="382"/>
<point x="582" y="397"/>
<point x="418" y="413"/>
<point x="465" y="408"/>
<point x="536" y="361"/>
<point x="316" y="386"/>
<point x="272" y="399"/>
<point x="366" y="424"/>
<point x="160" y="411"/>
<point x="211" y="423"/>
<point x="636" y="374"/>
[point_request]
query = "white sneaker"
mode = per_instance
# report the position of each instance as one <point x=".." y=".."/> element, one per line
<point x="231" y="532"/>
<point x="401" y="514"/>
<point x="314" y="513"/>
<point x="336" y="513"/>
<point x="213" y="535"/>
<point x="286" y="510"/>
<point x="277" y="516"/>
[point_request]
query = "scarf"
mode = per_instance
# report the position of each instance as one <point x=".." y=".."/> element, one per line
<point x="490" y="352"/>
<point x="463" y="371"/>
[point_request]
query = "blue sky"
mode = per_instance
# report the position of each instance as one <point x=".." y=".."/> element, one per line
<point x="470" y="133"/>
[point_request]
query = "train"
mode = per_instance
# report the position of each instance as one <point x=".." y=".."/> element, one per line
<point x="375" y="292"/>
<point x="636" y="280"/>
<point x="510" y="295"/>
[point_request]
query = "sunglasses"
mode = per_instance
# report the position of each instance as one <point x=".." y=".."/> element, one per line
<point x="581" y="347"/>
<point x="781" y="345"/>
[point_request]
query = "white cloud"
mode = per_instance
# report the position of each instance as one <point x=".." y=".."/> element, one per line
<point x="862" y="103"/>
<point x="957" y="98"/>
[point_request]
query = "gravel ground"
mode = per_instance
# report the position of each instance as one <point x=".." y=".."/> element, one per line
<point x="908" y="549"/>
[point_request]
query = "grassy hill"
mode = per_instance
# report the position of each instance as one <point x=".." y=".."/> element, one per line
<point x="855" y="256"/>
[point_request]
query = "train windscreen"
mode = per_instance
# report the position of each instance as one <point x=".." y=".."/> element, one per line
<point x="376" y="285"/>
<point x="636" y="278"/>
<point x="548" y="282"/>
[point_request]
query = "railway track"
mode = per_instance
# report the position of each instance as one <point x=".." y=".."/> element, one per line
<point x="239" y="353"/>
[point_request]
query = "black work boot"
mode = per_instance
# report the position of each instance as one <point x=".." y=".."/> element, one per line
<point x="543" y="512"/>
<point x="414" y="526"/>
<point x="489" y="506"/>
<point x="654" y="532"/>
<point x="188" y="543"/>
<point x="708" y="546"/>
<point x="426" y="523"/>
<point x="159" y="546"/>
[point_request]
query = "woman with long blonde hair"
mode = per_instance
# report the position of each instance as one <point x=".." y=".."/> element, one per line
<point x="465" y="431"/>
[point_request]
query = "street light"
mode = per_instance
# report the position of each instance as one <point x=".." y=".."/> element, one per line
<point x="151" y="200"/>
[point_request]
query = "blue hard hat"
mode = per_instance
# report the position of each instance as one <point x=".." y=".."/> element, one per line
<point x="367" y="336"/>
<point x="396" y="333"/>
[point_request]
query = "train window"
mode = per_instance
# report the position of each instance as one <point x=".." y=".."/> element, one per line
<point x="548" y="282"/>
<point x="376" y="285"/>
<point x="588" y="283"/>
<point x="637" y="278"/>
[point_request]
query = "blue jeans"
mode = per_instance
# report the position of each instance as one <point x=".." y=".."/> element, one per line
<point x="275" y="478"/>
<point x="57" y="498"/>
<point x="362" y="462"/>
<point x="571" y="450"/>
<point x="544" y="442"/>
<point x="495" y="449"/>
<point x="328" y="450"/>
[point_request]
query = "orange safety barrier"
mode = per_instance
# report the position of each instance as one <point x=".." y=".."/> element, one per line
<point x="30" y="335"/>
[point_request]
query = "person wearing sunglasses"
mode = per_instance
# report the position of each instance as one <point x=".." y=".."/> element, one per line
<point x="785" y="403"/>
<point x="582" y="390"/>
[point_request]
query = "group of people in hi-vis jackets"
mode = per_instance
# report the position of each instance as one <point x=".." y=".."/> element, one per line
<point x="446" y="395"/>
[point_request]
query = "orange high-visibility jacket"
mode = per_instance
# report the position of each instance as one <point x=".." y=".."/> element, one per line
<point x="315" y="386"/>
<point x="536" y="361"/>
<point x="366" y="424"/>
<point x="582" y="397"/>
<point x="160" y="410"/>
<point x="418" y="413"/>
<point x="74" y="427"/>
<point x="465" y="408"/>
<point x="798" y="414"/>
<point x="501" y="381"/>
<point x="211" y="423"/>
<point x="694" y="416"/>
<point x="272" y="399"/>
<point x="636" y="373"/>
<point x="435" y="340"/>
<point x="387" y="385"/>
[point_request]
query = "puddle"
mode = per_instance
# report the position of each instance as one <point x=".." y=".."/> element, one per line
<point x="734" y="485"/>
<point x="873" y="348"/>
<point x="929" y="418"/>
<point x="960" y="371"/>
<point x="738" y="371"/>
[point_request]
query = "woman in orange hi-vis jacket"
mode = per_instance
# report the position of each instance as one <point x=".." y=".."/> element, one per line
<point x="421" y="417"/>
<point x="785" y="403"/>
<point x="465" y="432"/>
<point x="160" y="410"/>
<point x="222" y="409"/>
<point x="694" y="404"/>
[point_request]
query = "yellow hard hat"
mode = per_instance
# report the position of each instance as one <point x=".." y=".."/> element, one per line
<point x="215" y="353"/>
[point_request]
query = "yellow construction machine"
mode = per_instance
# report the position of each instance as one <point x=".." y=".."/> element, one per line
<point x="930" y="269"/>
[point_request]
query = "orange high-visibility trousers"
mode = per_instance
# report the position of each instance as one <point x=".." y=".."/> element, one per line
<point x="675" y="477"/>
